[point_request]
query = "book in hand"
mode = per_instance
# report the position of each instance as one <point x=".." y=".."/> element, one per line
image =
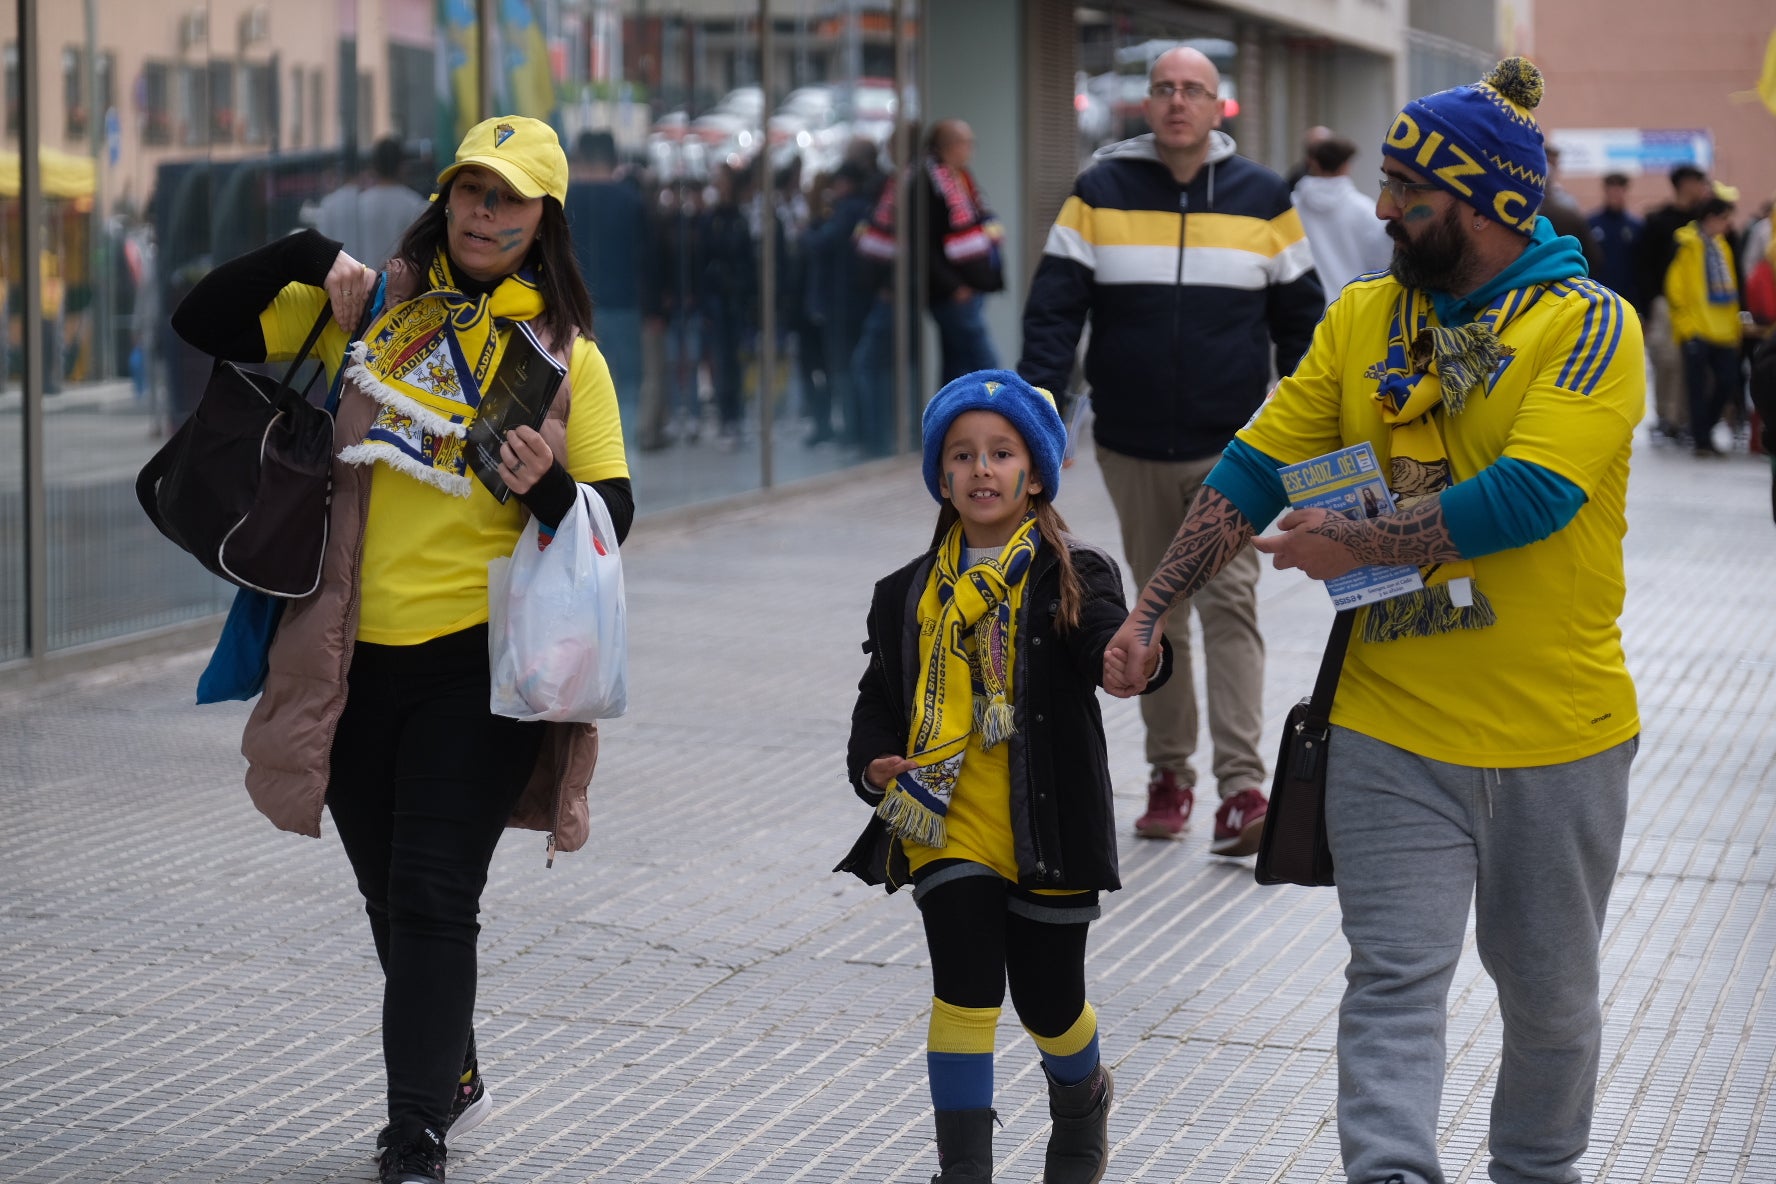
<point x="519" y="393"/>
<point x="1349" y="482"/>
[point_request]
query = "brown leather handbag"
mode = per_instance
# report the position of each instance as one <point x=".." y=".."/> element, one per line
<point x="243" y="485"/>
<point x="1293" y="848"/>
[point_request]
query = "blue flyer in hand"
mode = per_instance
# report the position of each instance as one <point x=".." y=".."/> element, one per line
<point x="1349" y="482"/>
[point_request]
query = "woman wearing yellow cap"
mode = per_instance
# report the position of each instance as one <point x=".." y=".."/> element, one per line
<point x="375" y="700"/>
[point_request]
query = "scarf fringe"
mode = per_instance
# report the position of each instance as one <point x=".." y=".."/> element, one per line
<point x="1425" y="613"/>
<point x="359" y="372"/>
<point x="371" y="452"/>
<point x="911" y="819"/>
<point x="994" y="720"/>
<point x="1464" y="355"/>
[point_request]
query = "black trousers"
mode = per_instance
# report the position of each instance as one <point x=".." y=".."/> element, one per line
<point x="423" y="779"/>
<point x="982" y="931"/>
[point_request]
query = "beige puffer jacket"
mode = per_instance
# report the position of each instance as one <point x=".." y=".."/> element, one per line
<point x="288" y="741"/>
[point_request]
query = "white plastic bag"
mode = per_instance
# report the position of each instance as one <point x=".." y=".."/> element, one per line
<point x="556" y="636"/>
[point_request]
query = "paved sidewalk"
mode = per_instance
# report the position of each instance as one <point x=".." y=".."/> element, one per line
<point x="187" y="995"/>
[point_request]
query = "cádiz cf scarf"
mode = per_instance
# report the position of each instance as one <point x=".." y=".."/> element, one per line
<point x="425" y="361"/>
<point x="967" y="636"/>
<point x="1429" y="374"/>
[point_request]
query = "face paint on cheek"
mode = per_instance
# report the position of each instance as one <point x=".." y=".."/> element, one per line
<point x="511" y="240"/>
<point x="1018" y="491"/>
<point x="949" y="485"/>
<point x="1419" y="214"/>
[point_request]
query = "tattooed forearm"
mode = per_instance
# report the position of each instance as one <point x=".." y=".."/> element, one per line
<point x="1213" y="533"/>
<point x="1412" y="537"/>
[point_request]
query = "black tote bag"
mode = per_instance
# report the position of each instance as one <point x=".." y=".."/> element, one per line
<point x="243" y="485"/>
<point x="1293" y="848"/>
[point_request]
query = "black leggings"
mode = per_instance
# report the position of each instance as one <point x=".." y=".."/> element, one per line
<point x="423" y="779"/>
<point x="979" y="938"/>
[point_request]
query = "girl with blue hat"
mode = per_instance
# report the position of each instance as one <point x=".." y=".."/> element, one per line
<point x="977" y="739"/>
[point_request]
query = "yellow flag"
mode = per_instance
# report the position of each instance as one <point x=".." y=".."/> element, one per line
<point x="1766" y="87"/>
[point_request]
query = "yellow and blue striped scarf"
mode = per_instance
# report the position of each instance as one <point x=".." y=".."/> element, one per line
<point x="967" y="639"/>
<point x="425" y="361"/>
<point x="1430" y="372"/>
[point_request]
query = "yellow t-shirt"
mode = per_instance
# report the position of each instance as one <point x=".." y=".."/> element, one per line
<point x="425" y="553"/>
<point x="978" y="825"/>
<point x="1547" y="683"/>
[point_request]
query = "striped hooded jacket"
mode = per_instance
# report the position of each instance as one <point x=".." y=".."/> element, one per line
<point x="1186" y="287"/>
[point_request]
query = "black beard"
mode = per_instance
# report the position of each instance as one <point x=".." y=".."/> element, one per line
<point x="1437" y="259"/>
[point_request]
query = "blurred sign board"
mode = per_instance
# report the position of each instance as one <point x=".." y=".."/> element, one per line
<point x="1596" y="151"/>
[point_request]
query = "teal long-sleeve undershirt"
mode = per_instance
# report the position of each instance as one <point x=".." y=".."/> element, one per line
<point x="1510" y="503"/>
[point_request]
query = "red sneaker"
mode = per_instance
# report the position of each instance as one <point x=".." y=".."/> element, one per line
<point x="1239" y="823"/>
<point x="1168" y="807"/>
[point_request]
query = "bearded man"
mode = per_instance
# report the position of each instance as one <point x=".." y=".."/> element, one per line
<point x="1484" y="726"/>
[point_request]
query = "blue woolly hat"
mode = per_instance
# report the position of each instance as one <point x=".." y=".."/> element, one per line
<point x="1481" y="143"/>
<point x="1030" y="409"/>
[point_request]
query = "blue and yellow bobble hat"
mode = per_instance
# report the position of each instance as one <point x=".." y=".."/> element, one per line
<point x="1481" y="143"/>
<point x="1030" y="409"/>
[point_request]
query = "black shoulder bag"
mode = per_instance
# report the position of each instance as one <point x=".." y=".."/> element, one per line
<point x="1293" y="849"/>
<point x="243" y="485"/>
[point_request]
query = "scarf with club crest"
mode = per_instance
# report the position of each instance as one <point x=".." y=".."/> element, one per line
<point x="967" y="636"/>
<point x="425" y="361"/>
<point x="1430" y="373"/>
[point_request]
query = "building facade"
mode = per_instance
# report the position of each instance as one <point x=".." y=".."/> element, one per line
<point x="1637" y="86"/>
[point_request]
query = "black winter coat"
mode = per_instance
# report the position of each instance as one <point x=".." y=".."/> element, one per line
<point x="1063" y="820"/>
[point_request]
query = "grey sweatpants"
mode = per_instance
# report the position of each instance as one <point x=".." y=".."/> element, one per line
<point x="1414" y="842"/>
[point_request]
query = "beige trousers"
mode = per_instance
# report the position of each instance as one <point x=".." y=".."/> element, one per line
<point x="1670" y="396"/>
<point x="1151" y="499"/>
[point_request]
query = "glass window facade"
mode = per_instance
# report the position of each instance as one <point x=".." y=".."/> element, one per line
<point x="722" y="154"/>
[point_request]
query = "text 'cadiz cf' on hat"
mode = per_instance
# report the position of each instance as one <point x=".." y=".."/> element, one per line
<point x="1481" y="143"/>
<point x="525" y="152"/>
<point x="1030" y="409"/>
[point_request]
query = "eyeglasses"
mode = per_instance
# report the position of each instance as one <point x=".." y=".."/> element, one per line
<point x="1398" y="187"/>
<point x="1195" y="92"/>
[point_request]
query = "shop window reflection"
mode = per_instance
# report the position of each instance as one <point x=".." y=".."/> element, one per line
<point x="185" y="133"/>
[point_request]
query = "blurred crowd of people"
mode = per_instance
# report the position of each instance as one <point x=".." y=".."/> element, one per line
<point x="674" y="265"/>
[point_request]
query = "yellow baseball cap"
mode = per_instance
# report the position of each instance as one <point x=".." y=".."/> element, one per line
<point x="525" y="152"/>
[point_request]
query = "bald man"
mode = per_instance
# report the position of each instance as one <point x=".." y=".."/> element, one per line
<point x="1190" y="262"/>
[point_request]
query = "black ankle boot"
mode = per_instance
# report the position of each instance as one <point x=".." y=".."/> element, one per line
<point x="964" y="1147"/>
<point x="1079" y="1146"/>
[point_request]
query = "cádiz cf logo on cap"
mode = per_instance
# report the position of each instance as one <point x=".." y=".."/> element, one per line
<point x="501" y="133"/>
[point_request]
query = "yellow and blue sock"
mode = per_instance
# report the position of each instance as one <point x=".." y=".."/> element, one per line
<point x="959" y="1056"/>
<point x="1071" y="1056"/>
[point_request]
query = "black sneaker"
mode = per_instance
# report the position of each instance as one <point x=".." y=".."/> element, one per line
<point x="468" y="1110"/>
<point x="418" y="1159"/>
<point x="470" y="1107"/>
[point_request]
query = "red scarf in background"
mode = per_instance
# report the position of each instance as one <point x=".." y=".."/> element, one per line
<point x="970" y="231"/>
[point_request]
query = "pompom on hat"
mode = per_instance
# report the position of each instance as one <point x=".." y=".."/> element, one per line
<point x="525" y="152"/>
<point x="1030" y="409"/>
<point x="1481" y="143"/>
